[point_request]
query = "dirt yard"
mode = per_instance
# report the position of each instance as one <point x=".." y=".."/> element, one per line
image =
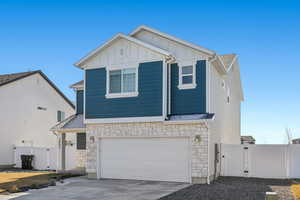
<point x="11" y="182"/>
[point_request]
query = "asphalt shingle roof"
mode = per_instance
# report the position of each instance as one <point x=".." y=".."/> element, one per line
<point x="77" y="84"/>
<point x="7" y="78"/>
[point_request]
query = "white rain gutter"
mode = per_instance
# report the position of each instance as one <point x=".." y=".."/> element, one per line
<point x="208" y="154"/>
<point x="170" y="59"/>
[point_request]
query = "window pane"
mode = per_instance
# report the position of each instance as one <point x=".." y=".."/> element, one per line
<point x="187" y="79"/>
<point x="81" y="141"/>
<point x="115" y="81"/>
<point x="187" y="70"/>
<point x="129" y="71"/>
<point x="129" y="80"/>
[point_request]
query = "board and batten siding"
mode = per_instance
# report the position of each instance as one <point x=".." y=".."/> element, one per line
<point x="189" y="101"/>
<point x="79" y="102"/>
<point x="148" y="103"/>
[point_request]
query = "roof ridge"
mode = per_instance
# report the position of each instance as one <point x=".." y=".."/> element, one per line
<point x="20" y="73"/>
<point x="172" y="37"/>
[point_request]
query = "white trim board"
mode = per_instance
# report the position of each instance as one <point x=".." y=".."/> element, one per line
<point x="81" y="62"/>
<point x="165" y="35"/>
<point x="124" y="120"/>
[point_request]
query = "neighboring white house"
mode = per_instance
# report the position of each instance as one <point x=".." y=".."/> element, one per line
<point x="154" y="107"/>
<point x="29" y="104"/>
<point x="247" y="140"/>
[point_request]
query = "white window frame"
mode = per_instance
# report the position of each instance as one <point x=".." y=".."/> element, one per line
<point x="121" y="94"/>
<point x="192" y="85"/>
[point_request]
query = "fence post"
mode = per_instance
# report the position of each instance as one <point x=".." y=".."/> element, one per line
<point x="246" y="160"/>
<point x="287" y="155"/>
<point x="15" y="156"/>
<point x="48" y="158"/>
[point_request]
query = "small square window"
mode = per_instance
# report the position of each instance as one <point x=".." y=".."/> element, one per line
<point x="60" y="115"/>
<point x="187" y="79"/>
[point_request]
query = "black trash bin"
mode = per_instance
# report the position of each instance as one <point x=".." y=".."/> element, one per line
<point x="27" y="161"/>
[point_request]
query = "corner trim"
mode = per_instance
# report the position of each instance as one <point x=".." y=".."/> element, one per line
<point x="124" y="120"/>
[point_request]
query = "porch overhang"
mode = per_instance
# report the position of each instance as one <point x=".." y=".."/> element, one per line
<point x="73" y="124"/>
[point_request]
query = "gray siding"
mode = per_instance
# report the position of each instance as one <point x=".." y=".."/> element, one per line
<point x="147" y="103"/>
<point x="79" y="102"/>
<point x="189" y="101"/>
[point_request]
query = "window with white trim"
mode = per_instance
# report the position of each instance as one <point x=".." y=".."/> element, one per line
<point x="122" y="83"/>
<point x="187" y="77"/>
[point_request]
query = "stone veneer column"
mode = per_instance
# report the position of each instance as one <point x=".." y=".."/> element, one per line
<point x="199" y="162"/>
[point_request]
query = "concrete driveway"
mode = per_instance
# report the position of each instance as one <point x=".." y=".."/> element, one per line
<point x="82" y="188"/>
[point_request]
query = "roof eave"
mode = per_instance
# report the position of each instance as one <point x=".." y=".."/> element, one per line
<point x="196" y="47"/>
<point x="81" y="62"/>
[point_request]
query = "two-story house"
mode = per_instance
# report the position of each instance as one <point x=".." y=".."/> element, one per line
<point x="154" y="107"/>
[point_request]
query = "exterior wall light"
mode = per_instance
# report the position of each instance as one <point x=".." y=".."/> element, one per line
<point x="92" y="139"/>
<point x="197" y="138"/>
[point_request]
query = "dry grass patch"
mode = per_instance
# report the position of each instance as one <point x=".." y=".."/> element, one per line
<point x="18" y="181"/>
<point x="296" y="188"/>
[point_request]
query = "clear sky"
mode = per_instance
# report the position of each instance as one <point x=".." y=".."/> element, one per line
<point x="52" y="35"/>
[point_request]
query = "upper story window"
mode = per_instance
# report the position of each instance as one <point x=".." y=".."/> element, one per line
<point x="122" y="83"/>
<point x="187" y="77"/>
<point x="60" y="115"/>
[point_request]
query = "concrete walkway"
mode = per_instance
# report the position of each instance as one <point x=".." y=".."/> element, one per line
<point x="82" y="188"/>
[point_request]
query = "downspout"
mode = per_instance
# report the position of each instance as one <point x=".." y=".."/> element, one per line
<point x="208" y="154"/>
<point x="207" y="123"/>
<point x="169" y="88"/>
<point x="164" y="90"/>
<point x="168" y="61"/>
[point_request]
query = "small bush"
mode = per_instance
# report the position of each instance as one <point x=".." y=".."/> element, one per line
<point x="34" y="186"/>
<point x="13" y="189"/>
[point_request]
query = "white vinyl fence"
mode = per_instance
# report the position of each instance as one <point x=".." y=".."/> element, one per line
<point x="262" y="161"/>
<point x="44" y="158"/>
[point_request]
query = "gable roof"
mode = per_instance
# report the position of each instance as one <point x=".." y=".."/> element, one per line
<point x="78" y="85"/>
<point x="73" y="123"/>
<point x="228" y="60"/>
<point x="165" y="35"/>
<point x="9" y="78"/>
<point x="247" y="138"/>
<point x="116" y="37"/>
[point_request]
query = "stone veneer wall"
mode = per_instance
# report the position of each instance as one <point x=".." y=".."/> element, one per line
<point x="156" y="129"/>
<point x="81" y="158"/>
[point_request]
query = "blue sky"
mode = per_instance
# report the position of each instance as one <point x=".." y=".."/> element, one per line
<point x="52" y="35"/>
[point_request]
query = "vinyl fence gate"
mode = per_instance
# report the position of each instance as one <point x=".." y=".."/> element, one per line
<point x="261" y="161"/>
<point x="44" y="158"/>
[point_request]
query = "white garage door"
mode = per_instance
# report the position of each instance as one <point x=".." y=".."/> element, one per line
<point x="159" y="159"/>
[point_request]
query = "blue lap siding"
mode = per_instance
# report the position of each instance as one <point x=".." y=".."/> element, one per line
<point x="189" y="101"/>
<point x="79" y="102"/>
<point x="147" y="103"/>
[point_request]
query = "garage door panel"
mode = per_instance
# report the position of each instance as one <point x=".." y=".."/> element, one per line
<point x="164" y="159"/>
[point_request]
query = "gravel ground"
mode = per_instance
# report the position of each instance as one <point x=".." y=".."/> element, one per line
<point x="233" y="188"/>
